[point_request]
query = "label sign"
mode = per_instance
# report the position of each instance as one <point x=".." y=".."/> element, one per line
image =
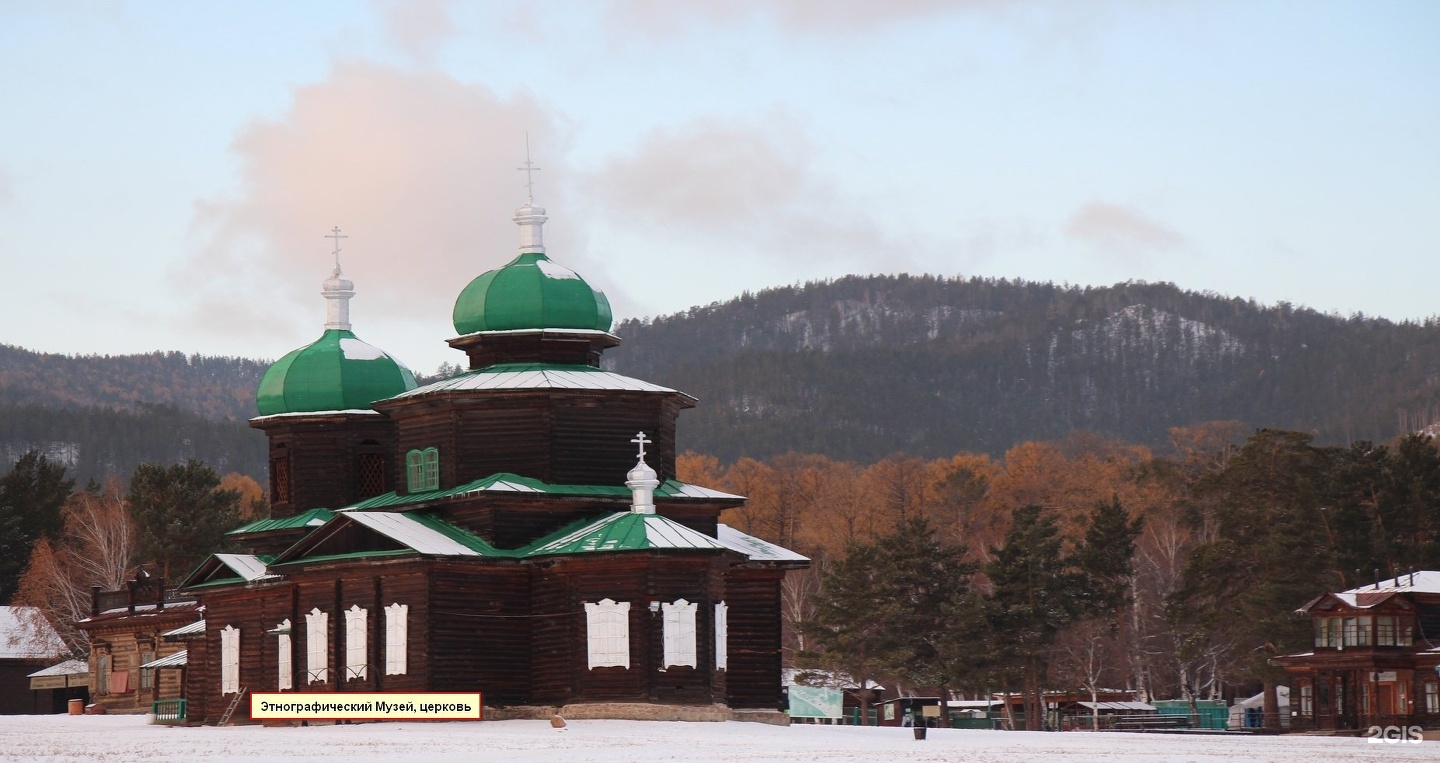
<point x="365" y="706"/>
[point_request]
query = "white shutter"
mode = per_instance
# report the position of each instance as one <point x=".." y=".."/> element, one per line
<point x="396" y="641"/>
<point x="679" y="633"/>
<point x="356" y="658"/>
<point x="284" y="669"/>
<point x="229" y="660"/>
<point x="722" y="636"/>
<point x="316" y="625"/>
<point x="607" y="628"/>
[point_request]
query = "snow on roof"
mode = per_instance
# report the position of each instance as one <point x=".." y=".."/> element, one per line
<point x="247" y="566"/>
<point x="300" y="414"/>
<point x="755" y="548"/>
<point x="26" y="634"/>
<point x="408" y="530"/>
<point x="66" y="668"/>
<point x="536" y="376"/>
<point x="176" y="660"/>
<point x="192" y="629"/>
<point x="625" y="531"/>
<point x="1117" y="706"/>
<point x="1425" y="581"/>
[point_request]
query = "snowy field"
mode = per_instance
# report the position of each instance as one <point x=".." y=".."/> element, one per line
<point x="126" y="738"/>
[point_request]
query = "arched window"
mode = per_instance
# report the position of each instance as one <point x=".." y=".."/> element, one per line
<point x="422" y="469"/>
<point x="317" y="624"/>
<point x="607" y="630"/>
<point x="356" y="655"/>
<point x="679" y="633"/>
<point x="396" y="638"/>
<point x="230" y="660"/>
<point x="283" y="682"/>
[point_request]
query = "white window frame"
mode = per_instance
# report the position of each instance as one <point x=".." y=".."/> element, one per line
<point x="680" y="634"/>
<point x="230" y="660"/>
<point x="396" y="638"/>
<point x="722" y="636"/>
<point x="607" y="629"/>
<point x="356" y="655"/>
<point x="317" y="667"/>
<point x="284" y="675"/>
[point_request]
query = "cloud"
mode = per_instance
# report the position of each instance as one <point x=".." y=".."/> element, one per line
<point x="1117" y="232"/>
<point x="820" y="16"/>
<point x="417" y="169"/>
<point x="751" y="186"/>
<point x="418" y="28"/>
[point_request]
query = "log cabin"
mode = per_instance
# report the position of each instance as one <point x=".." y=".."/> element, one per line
<point x="515" y="530"/>
<point x="1376" y="658"/>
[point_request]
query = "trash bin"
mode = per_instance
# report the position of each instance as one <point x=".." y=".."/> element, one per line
<point x="920" y="732"/>
<point x="77" y="707"/>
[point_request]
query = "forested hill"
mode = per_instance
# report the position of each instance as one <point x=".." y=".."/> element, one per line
<point x="106" y="414"/>
<point x="862" y="367"/>
<point x="211" y="387"/>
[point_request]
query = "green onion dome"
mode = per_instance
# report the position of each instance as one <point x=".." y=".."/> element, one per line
<point x="531" y="292"/>
<point x="337" y="372"/>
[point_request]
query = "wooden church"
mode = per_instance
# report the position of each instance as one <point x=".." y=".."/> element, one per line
<point x="515" y="530"/>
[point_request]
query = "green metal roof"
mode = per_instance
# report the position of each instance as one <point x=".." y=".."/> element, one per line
<point x="337" y="372"/>
<point x="530" y="292"/>
<point x="311" y="518"/>
<point x="505" y="482"/>
<point x="623" y="531"/>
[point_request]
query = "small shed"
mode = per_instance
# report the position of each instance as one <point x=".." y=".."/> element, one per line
<point x="27" y="644"/>
<point x="56" y="685"/>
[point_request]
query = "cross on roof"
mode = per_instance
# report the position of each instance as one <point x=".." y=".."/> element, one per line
<point x="336" y="235"/>
<point x="640" y="439"/>
<point x="530" y="169"/>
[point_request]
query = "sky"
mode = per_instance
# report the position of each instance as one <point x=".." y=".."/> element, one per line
<point x="169" y="170"/>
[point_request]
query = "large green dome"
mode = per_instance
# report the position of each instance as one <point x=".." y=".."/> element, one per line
<point x="531" y="292"/>
<point x="335" y="373"/>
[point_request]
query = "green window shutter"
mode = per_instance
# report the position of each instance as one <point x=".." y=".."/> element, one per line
<point x="414" y="471"/>
<point x="431" y="459"/>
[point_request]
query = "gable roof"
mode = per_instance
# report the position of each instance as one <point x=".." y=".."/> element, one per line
<point x="220" y="569"/>
<point x="311" y="518"/>
<point x="26" y="634"/>
<point x="755" y="549"/>
<point x="623" y="531"/>
<point x="506" y="482"/>
<point x="408" y="533"/>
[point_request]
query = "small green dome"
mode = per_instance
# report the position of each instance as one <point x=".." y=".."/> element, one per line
<point x="531" y="293"/>
<point x="335" y="373"/>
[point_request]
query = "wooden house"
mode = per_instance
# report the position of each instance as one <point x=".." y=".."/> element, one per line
<point x="28" y="645"/>
<point x="1375" y="660"/>
<point x="127" y="630"/>
<point x="504" y="531"/>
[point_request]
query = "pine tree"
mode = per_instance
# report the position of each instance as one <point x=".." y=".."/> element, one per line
<point x="182" y="514"/>
<point x="31" y="496"/>
<point x="1036" y="593"/>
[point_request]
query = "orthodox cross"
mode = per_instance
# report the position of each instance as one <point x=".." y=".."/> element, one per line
<point x="336" y="235"/>
<point x="530" y="170"/>
<point x="641" y="440"/>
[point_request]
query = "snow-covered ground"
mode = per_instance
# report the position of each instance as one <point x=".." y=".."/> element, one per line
<point x="125" y="738"/>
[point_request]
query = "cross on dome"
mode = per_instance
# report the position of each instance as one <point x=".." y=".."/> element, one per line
<point x="529" y="169"/>
<point x="336" y="235"/>
<point x="641" y="440"/>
